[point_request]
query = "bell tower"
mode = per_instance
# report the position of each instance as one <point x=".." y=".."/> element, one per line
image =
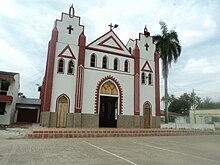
<point x="65" y="65"/>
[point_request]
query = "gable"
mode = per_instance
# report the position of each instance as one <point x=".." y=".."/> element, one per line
<point x="67" y="53"/>
<point x="110" y="43"/>
<point x="146" y="67"/>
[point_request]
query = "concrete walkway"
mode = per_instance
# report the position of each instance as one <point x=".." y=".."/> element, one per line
<point x="166" y="150"/>
<point x="13" y="133"/>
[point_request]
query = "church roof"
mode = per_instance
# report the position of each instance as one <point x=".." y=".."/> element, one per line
<point x="110" y="43"/>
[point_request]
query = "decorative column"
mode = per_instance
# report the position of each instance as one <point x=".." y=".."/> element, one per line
<point x="136" y="53"/>
<point x="48" y="79"/>
<point x="80" y="73"/>
<point x="157" y="88"/>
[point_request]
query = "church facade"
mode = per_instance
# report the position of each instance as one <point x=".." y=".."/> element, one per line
<point x="101" y="84"/>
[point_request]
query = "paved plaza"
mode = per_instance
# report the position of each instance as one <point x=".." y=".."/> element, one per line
<point x="165" y="150"/>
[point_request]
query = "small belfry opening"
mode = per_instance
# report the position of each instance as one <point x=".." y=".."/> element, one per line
<point x="108" y="106"/>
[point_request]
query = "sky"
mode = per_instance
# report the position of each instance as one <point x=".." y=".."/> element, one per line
<point x="26" y="25"/>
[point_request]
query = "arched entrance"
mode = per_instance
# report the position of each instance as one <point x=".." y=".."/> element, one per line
<point x="62" y="109"/>
<point x="147" y="114"/>
<point x="108" y="105"/>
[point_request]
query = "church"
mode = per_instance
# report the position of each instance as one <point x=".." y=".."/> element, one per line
<point x="101" y="84"/>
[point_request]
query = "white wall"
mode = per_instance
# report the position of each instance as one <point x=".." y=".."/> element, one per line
<point x="203" y="116"/>
<point x="65" y="83"/>
<point x="13" y="90"/>
<point x="64" y="36"/>
<point x="147" y="92"/>
<point x="188" y="126"/>
<point x="93" y="75"/>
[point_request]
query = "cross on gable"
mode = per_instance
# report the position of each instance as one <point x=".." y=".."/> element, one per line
<point x="111" y="26"/>
<point x="147" y="46"/>
<point x="70" y="29"/>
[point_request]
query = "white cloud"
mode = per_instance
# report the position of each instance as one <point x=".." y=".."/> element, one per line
<point x="202" y="66"/>
<point x="26" y="28"/>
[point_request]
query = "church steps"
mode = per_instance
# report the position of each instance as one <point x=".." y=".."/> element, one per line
<point x="42" y="132"/>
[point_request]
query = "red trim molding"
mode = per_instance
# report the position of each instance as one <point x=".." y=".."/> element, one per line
<point x="109" y="46"/>
<point x="110" y="52"/>
<point x="71" y="52"/>
<point x="80" y="74"/>
<point x="157" y="83"/>
<point x="49" y="71"/>
<point x="147" y="70"/>
<point x="128" y="54"/>
<point x="136" y="53"/>
<point x="6" y="99"/>
<point x="79" y="89"/>
<point x="100" y="83"/>
<point x="82" y="49"/>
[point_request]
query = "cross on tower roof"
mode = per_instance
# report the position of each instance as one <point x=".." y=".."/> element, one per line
<point x="147" y="46"/>
<point x="70" y="29"/>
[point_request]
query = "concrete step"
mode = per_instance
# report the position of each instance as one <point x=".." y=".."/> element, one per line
<point x="42" y="132"/>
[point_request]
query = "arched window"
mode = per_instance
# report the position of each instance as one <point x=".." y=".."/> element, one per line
<point x="109" y="88"/>
<point x="104" y="62"/>
<point x="71" y="67"/>
<point x="129" y="49"/>
<point x="150" y="81"/>
<point x="61" y="66"/>
<point x="143" y="78"/>
<point x="126" y="66"/>
<point x="93" y="60"/>
<point x="116" y="64"/>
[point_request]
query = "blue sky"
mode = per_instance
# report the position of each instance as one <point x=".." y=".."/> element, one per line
<point x="25" y="29"/>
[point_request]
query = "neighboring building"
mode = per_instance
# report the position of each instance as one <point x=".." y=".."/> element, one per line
<point x="101" y="84"/>
<point x="27" y="110"/>
<point x="208" y="116"/>
<point x="9" y="87"/>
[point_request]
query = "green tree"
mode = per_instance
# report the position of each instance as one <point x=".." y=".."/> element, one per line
<point x="180" y="106"/>
<point x="192" y="99"/>
<point x="170" y="98"/>
<point x="207" y="103"/>
<point x="169" y="49"/>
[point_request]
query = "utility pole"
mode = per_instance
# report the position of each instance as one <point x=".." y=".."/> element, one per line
<point x="193" y="106"/>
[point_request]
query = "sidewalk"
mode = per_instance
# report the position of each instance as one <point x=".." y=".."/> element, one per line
<point x="13" y="133"/>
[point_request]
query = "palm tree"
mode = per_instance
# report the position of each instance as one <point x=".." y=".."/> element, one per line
<point x="169" y="49"/>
